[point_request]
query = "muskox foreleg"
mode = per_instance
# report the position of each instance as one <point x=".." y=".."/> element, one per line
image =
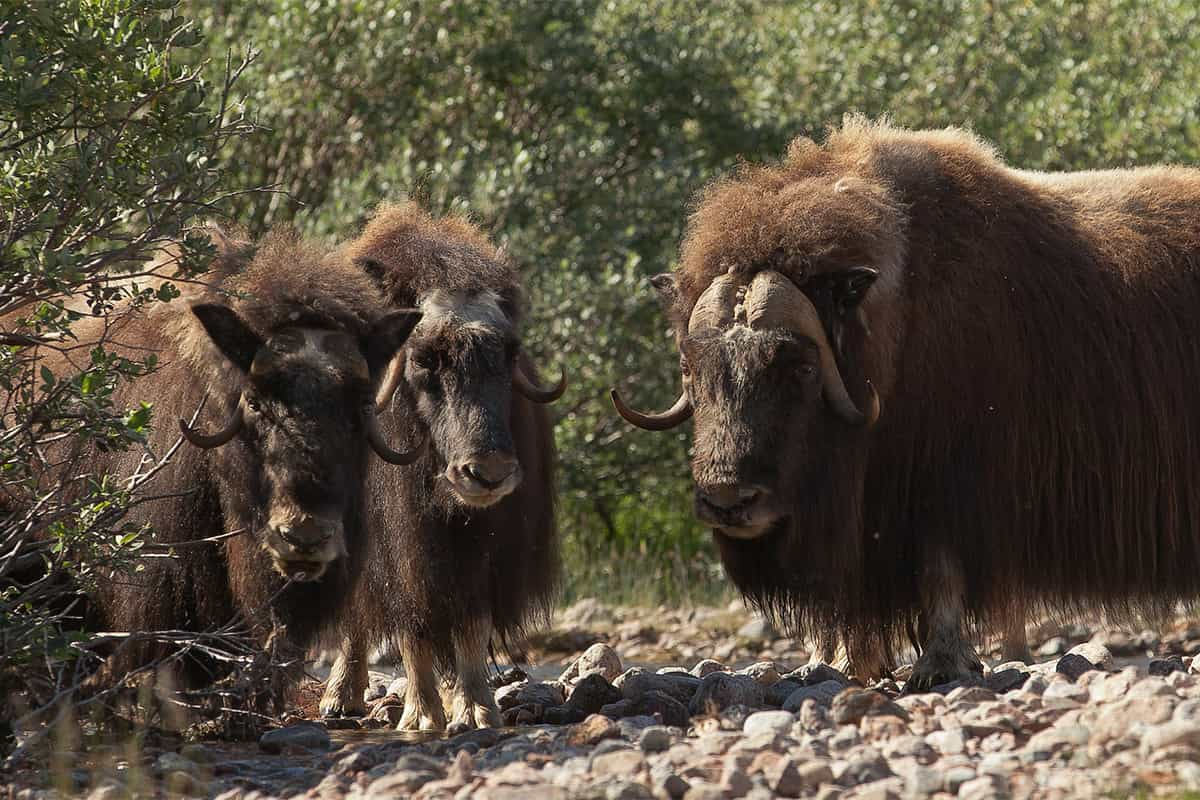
<point x="858" y="655"/>
<point x="1015" y="644"/>
<point x="423" y="709"/>
<point x="947" y="656"/>
<point x="347" y="681"/>
<point x="473" y="703"/>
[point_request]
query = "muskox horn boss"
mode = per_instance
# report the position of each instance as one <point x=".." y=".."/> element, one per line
<point x="526" y="385"/>
<point x="676" y="415"/>
<point x="209" y="441"/>
<point x="382" y="448"/>
<point x="773" y="300"/>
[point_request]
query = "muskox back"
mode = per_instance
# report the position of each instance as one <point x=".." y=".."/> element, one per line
<point x="1034" y="342"/>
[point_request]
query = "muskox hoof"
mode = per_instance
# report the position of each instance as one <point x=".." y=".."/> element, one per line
<point x="469" y="715"/>
<point x="413" y="719"/>
<point x="333" y="707"/>
<point x="936" y="667"/>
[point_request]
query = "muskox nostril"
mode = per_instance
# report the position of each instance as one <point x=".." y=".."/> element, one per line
<point x="304" y="538"/>
<point x="490" y="472"/>
<point x="730" y="497"/>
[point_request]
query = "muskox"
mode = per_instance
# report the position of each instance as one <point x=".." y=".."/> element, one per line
<point x="464" y="548"/>
<point x="283" y="350"/>
<point x="931" y="391"/>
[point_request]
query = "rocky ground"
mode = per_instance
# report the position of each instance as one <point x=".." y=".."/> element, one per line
<point x="1106" y="712"/>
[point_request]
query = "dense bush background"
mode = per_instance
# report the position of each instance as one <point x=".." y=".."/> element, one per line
<point x="576" y="131"/>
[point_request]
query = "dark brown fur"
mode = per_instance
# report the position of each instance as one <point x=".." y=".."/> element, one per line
<point x="1035" y="341"/>
<point x="288" y="282"/>
<point x="437" y="567"/>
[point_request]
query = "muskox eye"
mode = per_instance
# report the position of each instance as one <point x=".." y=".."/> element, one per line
<point x="808" y="370"/>
<point x="253" y="404"/>
<point x="426" y="359"/>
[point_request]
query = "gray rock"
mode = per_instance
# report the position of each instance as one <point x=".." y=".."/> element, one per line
<point x="617" y="710"/>
<point x="621" y="763"/>
<point x="599" y="659"/>
<point x="1061" y="694"/>
<point x="592" y="730"/>
<point x="173" y="762"/>
<point x="1094" y="652"/>
<point x="398" y="686"/>
<point x="720" y="690"/>
<point x="763" y="671"/>
<point x="983" y="787"/>
<point x="815" y="772"/>
<point x="948" y="742"/>
<point x="306" y="734"/>
<point x="546" y="695"/>
<point x="655" y="703"/>
<point x="564" y="715"/>
<point x="778" y="692"/>
<point x="506" y="696"/>
<point x="655" y="739"/>
<point x="399" y="783"/>
<point x="1170" y="734"/>
<point x="1165" y="666"/>
<point x="1074" y="665"/>
<point x="852" y="704"/>
<point x="814" y="673"/>
<point x="1053" y="647"/>
<point x="1005" y="680"/>
<point x="866" y="767"/>
<point x="757" y="630"/>
<point x="636" y="682"/>
<point x="706" y="667"/>
<point x="592" y="693"/>
<point x="822" y="693"/>
<point x="627" y="790"/>
<point x="769" y="722"/>
<point x="956" y="777"/>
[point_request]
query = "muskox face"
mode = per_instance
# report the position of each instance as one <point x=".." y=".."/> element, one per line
<point x="302" y="423"/>
<point x="761" y="378"/>
<point x="459" y="370"/>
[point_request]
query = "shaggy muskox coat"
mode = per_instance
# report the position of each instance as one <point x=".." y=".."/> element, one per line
<point x="438" y="569"/>
<point x="1035" y="341"/>
<point x="206" y="493"/>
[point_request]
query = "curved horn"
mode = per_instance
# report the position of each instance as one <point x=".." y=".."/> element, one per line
<point x="383" y="449"/>
<point x="217" y="439"/>
<point x="672" y="417"/>
<point x="538" y="394"/>
<point x="391" y="380"/>
<point x="773" y="300"/>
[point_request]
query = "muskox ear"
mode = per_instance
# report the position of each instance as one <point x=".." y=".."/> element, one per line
<point x="229" y="333"/>
<point x="664" y="284"/>
<point x="387" y="336"/>
<point x="850" y="286"/>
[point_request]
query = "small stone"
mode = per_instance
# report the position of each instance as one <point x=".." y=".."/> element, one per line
<point x="764" y="672"/>
<point x="778" y="692"/>
<point x="563" y="715"/>
<point x="665" y="707"/>
<point x="173" y="762"/>
<point x="955" y="777"/>
<point x="592" y="693"/>
<point x="627" y="790"/>
<point x="867" y="767"/>
<point x="815" y="772"/>
<point x="397" y="687"/>
<point x="670" y="784"/>
<point x="599" y="659"/>
<point x="1099" y="655"/>
<point x="1005" y="680"/>
<point x="1073" y="665"/>
<point x="948" y="742"/>
<point x="546" y="695"/>
<point x="822" y="693"/>
<point x="970" y="694"/>
<point x="1170" y="734"/>
<point x="720" y="690"/>
<point x="734" y="781"/>
<point x="636" y="681"/>
<point x="507" y="696"/>
<point x="592" y="730"/>
<point x="769" y="722"/>
<point x="817" y="672"/>
<point x="655" y="739"/>
<point x="757" y="630"/>
<point x="399" y="783"/>
<point x="621" y="763"/>
<point x="983" y="787"/>
<point x="706" y="667"/>
<point x="853" y="704"/>
<point x="1061" y="694"/>
<point x="784" y="779"/>
<point x="1165" y="666"/>
<point x="306" y="734"/>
